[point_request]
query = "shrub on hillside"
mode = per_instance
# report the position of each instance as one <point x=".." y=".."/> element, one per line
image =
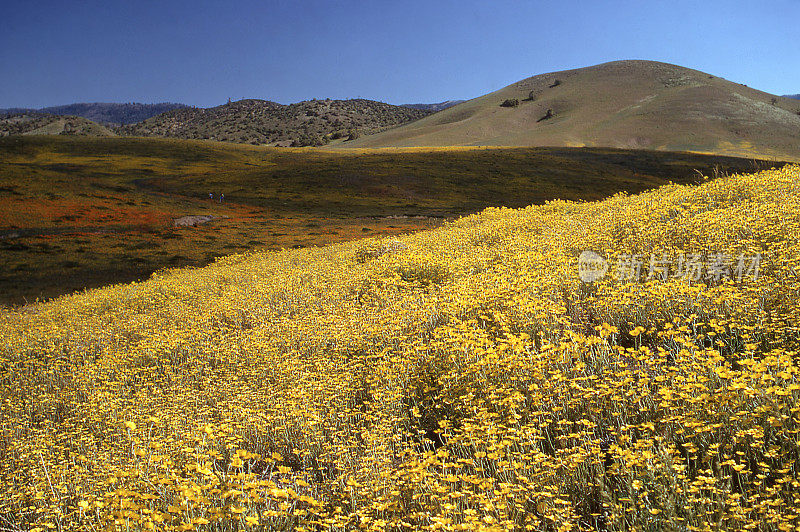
<point x="308" y="139"/>
<point x="511" y="102"/>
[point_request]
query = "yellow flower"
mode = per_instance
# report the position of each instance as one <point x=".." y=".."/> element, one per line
<point x="637" y="331"/>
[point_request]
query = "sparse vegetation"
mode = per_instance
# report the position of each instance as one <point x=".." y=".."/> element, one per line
<point x="47" y="124"/>
<point x="109" y="114"/>
<point x="310" y="123"/>
<point x="510" y="102"/>
<point x="734" y="120"/>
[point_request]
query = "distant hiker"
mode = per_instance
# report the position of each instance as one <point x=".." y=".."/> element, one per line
<point x="221" y="198"/>
<point x="211" y="196"/>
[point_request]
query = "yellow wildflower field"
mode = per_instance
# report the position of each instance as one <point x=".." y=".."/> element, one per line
<point x="462" y="378"/>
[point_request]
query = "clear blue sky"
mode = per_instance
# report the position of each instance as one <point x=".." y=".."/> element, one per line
<point x="202" y="52"/>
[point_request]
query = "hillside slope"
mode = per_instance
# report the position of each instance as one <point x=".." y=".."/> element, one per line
<point x="114" y="113"/>
<point x="83" y="212"/>
<point x="456" y="379"/>
<point x="109" y="114"/>
<point x="47" y="124"/>
<point x="624" y="104"/>
<point x="309" y="123"/>
<point x="433" y="106"/>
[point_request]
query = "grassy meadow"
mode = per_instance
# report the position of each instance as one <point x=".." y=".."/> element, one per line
<point x="80" y="213"/>
<point x="460" y="378"/>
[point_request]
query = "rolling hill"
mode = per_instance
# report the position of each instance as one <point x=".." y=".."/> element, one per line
<point x="622" y="104"/>
<point x="309" y="123"/>
<point x="47" y="124"/>
<point x="433" y="107"/>
<point x="110" y="114"/>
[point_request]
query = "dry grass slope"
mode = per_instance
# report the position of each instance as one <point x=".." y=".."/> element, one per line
<point x="623" y="104"/>
<point x="456" y="379"/>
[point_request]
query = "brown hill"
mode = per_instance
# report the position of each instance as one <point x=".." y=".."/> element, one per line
<point x="47" y="124"/>
<point x="309" y="123"/>
<point x="623" y="104"/>
<point x="434" y="107"/>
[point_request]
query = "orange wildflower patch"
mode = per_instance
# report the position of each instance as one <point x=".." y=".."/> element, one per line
<point x="24" y="213"/>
